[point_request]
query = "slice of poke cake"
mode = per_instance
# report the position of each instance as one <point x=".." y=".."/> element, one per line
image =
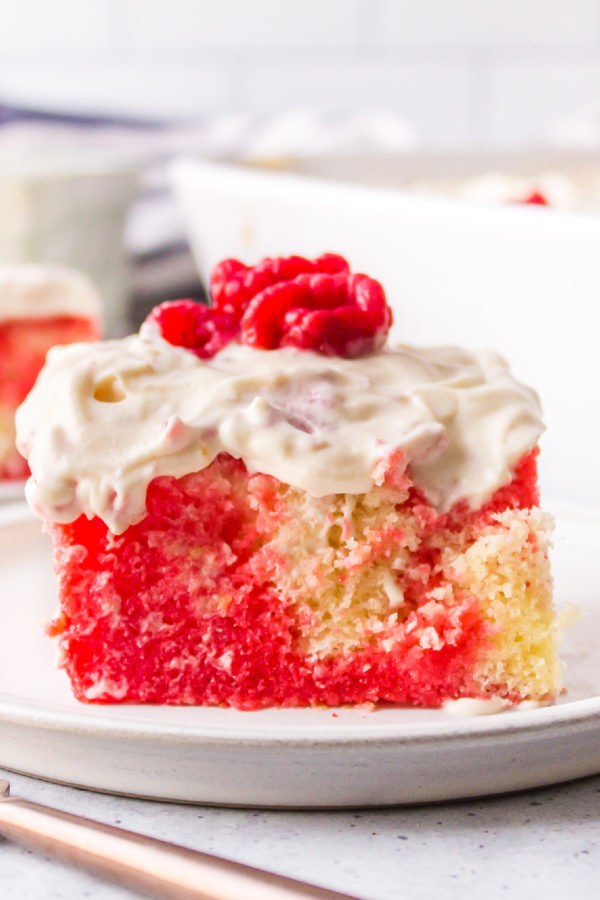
<point x="39" y="306"/>
<point x="259" y="503"/>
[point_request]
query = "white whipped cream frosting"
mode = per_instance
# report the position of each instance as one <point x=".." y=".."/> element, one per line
<point x="105" y="419"/>
<point x="32" y="291"/>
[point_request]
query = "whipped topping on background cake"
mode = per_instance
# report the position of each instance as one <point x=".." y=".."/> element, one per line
<point x="105" y="419"/>
<point x="36" y="291"/>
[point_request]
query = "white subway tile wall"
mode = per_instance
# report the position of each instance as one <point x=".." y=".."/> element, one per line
<point x="459" y="71"/>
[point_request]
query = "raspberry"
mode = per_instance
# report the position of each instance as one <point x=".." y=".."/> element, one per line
<point x="290" y="301"/>
<point x="536" y="198"/>
<point x="199" y="328"/>
<point x="338" y="315"/>
<point x="233" y="285"/>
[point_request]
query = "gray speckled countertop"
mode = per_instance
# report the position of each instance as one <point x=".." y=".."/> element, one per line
<point x="539" y="843"/>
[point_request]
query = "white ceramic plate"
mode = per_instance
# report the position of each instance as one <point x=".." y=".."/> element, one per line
<point x="300" y="758"/>
<point x="12" y="490"/>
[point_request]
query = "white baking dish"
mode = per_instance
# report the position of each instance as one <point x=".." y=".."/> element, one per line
<point x="522" y="280"/>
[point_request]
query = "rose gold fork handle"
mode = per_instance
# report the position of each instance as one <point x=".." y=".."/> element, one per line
<point x="156" y="867"/>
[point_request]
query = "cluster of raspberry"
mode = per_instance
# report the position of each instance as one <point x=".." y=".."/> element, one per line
<point x="316" y="305"/>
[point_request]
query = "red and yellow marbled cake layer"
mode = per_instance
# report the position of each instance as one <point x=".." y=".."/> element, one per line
<point x="240" y="590"/>
<point x="23" y="347"/>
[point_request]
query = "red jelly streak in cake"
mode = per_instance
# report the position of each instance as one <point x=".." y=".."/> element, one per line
<point x="285" y="302"/>
<point x="24" y="344"/>
<point x="522" y="492"/>
<point x="23" y="347"/>
<point x="184" y="607"/>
